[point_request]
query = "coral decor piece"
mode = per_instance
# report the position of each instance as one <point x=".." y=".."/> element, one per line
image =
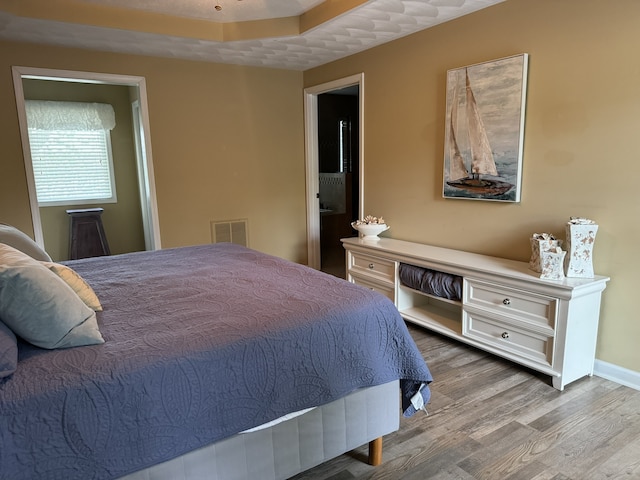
<point x="369" y="220"/>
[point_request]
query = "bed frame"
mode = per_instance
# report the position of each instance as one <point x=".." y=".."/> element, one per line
<point x="293" y="446"/>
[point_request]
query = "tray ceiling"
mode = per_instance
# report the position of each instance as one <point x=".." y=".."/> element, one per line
<point x="287" y="34"/>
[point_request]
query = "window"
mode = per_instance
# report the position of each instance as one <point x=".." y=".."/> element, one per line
<point x="71" y="152"/>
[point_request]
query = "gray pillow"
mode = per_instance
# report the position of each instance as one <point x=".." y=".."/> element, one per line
<point x="40" y="307"/>
<point x="8" y="351"/>
<point x="21" y="241"/>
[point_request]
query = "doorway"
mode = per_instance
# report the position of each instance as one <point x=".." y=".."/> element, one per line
<point x="137" y="88"/>
<point x="338" y="131"/>
<point x="334" y="164"/>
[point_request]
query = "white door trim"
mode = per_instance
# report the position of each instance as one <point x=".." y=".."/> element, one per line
<point x="311" y="158"/>
<point x="82" y="77"/>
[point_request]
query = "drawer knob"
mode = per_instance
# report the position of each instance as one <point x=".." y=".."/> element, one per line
<point x="506" y="301"/>
<point x="505" y="335"/>
<point x="371" y="266"/>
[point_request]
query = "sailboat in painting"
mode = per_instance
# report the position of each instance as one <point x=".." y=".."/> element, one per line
<point x="480" y="178"/>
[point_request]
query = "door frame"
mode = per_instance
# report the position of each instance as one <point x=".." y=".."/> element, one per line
<point x="139" y="135"/>
<point x="312" y="162"/>
<point x="150" y="206"/>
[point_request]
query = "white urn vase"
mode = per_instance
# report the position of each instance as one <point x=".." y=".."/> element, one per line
<point x="581" y="235"/>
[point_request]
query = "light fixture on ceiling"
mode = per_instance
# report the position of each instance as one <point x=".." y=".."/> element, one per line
<point x="218" y="7"/>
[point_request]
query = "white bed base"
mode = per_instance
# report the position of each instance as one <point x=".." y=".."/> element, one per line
<point x="292" y="446"/>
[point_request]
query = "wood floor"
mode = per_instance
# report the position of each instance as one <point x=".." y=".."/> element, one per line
<point x="492" y="419"/>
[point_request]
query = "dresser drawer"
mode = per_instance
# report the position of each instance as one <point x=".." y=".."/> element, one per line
<point x="386" y="290"/>
<point x="530" y="345"/>
<point x="374" y="267"/>
<point x="505" y="301"/>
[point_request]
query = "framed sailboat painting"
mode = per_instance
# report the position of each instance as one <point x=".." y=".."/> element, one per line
<point x="484" y="130"/>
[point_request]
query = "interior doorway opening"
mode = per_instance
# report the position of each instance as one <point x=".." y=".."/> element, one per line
<point x="339" y="175"/>
<point x="144" y="164"/>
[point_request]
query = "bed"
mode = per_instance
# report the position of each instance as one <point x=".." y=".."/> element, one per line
<point x="195" y="351"/>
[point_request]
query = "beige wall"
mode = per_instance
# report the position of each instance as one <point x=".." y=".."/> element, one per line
<point x="227" y="143"/>
<point x="580" y="155"/>
<point x="122" y="220"/>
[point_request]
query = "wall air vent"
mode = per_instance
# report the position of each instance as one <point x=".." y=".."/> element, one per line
<point x="233" y="231"/>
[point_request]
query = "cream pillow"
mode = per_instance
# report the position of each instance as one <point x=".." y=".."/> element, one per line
<point x="77" y="284"/>
<point x="21" y="241"/>
<point x="40" y="307"/>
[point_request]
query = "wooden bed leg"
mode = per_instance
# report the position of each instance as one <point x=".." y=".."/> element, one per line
<point x="375" y="452"/>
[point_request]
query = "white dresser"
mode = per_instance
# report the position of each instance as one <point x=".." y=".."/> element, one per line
<point x="506" y="309"/>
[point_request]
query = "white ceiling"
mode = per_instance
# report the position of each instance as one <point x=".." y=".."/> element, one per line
<point x="371" y="24"/>
<point x="231" y="10"/>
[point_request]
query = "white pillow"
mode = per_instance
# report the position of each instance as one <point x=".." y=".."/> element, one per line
<point x="40" y="307"/>
<point x="21" y="241"/>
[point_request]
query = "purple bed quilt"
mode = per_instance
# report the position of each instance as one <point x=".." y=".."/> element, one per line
<point x="201" y="343"/>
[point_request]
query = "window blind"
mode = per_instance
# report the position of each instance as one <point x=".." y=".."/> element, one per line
<point x="71" y="152"/>
<point x="70" y="166"/>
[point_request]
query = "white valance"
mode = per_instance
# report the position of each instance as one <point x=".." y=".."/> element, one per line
<point x="49" y="115"/>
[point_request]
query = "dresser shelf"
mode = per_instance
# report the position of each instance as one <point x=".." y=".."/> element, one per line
<point x="506" y="309"/>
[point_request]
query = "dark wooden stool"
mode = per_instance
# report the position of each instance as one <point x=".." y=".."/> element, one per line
<point x="86" y="234"/>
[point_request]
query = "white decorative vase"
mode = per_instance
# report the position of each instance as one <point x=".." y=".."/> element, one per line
<point x="541" y="242"/>
<point x="552" y="264"/>
<point x="579" y="242"/>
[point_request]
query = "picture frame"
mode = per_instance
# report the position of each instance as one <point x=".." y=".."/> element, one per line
<point x="484" y="130"/>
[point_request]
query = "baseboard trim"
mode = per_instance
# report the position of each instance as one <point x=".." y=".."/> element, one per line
<point x="617" y="374"/>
